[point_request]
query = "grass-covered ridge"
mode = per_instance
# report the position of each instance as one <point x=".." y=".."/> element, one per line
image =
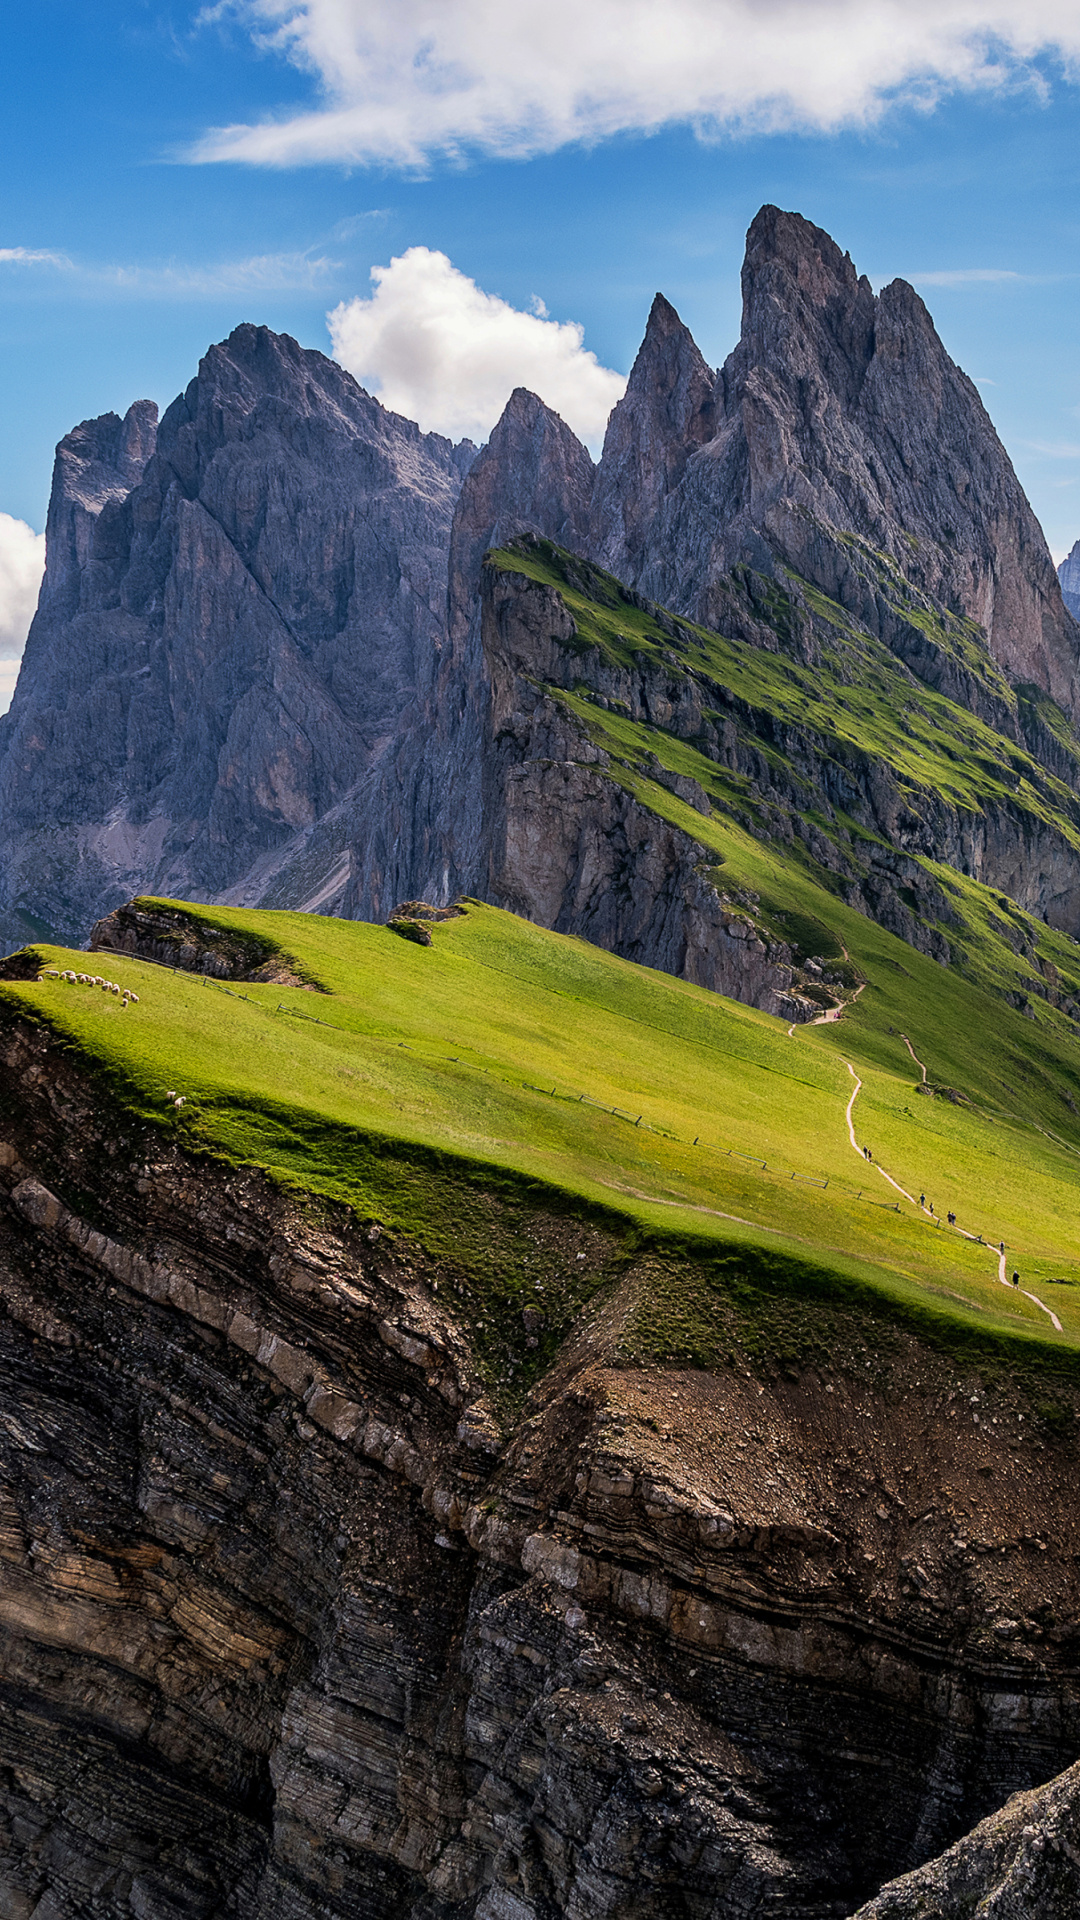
<point x="856" y="696"/>
<point x="852" y="708"/>
<point x="505" y="1059"/>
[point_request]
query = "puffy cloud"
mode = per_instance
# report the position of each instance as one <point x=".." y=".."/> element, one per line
<point x="22" y="563"/>
<point x="405" y="80"/>
<point x="434" y="346"/>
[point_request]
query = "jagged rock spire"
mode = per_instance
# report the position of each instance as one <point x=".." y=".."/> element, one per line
<point x="533" y="476"/>
<point x="666" y="413"/>
<point x="839" y="419"/>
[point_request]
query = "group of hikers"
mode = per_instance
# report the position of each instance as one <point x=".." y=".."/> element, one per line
<point x="928" y="1207"/>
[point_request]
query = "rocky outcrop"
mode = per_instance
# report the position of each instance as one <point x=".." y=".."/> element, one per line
<point x="1021" y="1862"/>
<point x="298" y="1620"/>
<point x="172" y="937"/>
<point x="849" y="447"/>
<point x="568" y="846"/>
<point x="1069" y="575"/>
<point x="667" y="412"/>
<point x="228" y="633"/>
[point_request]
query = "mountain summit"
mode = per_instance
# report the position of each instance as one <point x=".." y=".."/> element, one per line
<point x="269" y="666"/>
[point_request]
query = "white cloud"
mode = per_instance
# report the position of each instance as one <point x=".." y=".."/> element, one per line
<point x="32" y="257"/>
<point x="405" y="80"/>
<point x="22" y="563"/>
<point x="434" y="346"/>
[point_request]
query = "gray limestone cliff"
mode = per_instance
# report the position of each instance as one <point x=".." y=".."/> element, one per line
<point x="232" y="624"/>
<point x="1069" y="575"/>
<point x="846" y="445"/>
<point x="259" y="671"/>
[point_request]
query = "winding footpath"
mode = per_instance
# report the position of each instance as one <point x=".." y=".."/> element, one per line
<point x="930" y="1214"/>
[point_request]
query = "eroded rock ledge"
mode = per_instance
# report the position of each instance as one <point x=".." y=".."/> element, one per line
<point x="297" y="1622"/>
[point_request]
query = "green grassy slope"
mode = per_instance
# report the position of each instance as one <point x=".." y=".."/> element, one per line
<point x="506" y="1057"/>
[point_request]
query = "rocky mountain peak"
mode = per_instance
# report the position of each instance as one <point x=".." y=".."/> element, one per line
<point x="804" y="305"/>
<point x="848" y="447"/>
<point x="534" y="475"/>
<point x="667" y="411"/>
<point x="96" y="466"/>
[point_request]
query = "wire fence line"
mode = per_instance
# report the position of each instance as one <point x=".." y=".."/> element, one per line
<point x="753" y="1163"/>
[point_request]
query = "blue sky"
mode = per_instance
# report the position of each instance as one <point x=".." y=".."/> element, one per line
<point x="951" y="159"/>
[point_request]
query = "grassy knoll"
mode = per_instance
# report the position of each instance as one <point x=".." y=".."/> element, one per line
<point x="506" y="1059"/>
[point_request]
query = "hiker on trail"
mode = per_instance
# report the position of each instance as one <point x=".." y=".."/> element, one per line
<point x="1001" y="1247"/>
<point x="922" y="1199"/>
<point x="1016" y="1279"/>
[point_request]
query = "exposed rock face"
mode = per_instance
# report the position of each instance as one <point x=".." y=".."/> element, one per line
<point x="420" y="829"/>
<point x="1069" y="575"/>
<point x="259" y="671"/>
<point x="570" y="848"/>
<point x="667" y="412"/>
<point x="291" y="1625"/>
<point x="841" y="424"/>
<point x="1021" y="1862"/>
<point x="171" y="937"/>
<point x="228" y="632"/>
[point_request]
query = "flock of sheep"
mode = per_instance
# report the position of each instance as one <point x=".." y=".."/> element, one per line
<point x="92" y="980"/>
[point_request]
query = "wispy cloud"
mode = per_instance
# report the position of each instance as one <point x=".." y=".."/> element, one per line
<point x="32" y="257"/>
<point x="402" y="82"/>
<point x="258" y="273"/>
<point x="187" y="280"/>
<point x="22" y="563"/>
<point x="1056" y="449"/>
<point x="966" y="276"/>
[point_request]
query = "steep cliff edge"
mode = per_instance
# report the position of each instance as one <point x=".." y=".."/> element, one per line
<point x="1069" y="575"/>
<point x="1022" y="1861"/>
<point x="305" y="1614"/>
<point x="626" y="754"/>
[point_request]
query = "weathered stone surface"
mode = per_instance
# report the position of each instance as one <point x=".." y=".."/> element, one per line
<point x="848" y="445"/>
<point x="228" y="633"/>
<point x="420" y="829"/>
<point x="1069" y="575"/>
<point x="293" y="1626"/>
<point x="1021" y="1864"/>
<point x="667" y="412"/>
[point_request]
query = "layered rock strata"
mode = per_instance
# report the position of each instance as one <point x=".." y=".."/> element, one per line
<point x="298" y="1621"/>
<point x="1022" y="1861"/>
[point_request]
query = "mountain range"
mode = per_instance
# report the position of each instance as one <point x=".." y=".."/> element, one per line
<point x="539" y="1287"/>
<point x="269" y="666"/>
